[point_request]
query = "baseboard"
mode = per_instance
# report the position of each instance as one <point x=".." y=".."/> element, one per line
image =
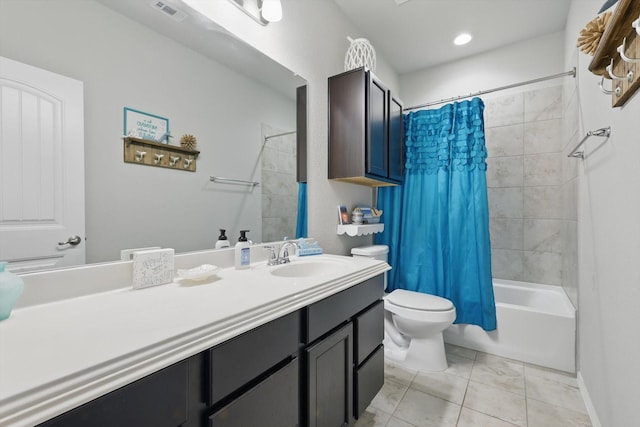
<point x="591" y="410"/>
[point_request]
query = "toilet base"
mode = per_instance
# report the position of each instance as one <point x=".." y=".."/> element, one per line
<point x="423" y="354"/>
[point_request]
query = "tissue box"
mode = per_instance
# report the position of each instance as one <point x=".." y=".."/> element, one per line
<point x="308" y="247"/>
<point x="152" y="268"/>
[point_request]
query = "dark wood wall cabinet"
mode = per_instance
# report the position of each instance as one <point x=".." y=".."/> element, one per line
<point x="301" y="134"/>
<point x="319" y="366"/>
<point x="366" y="141"/>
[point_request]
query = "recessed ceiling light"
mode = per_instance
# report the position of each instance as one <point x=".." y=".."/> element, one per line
<point x="463" y="38"/>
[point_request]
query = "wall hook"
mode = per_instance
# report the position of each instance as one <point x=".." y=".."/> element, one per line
<point x="140" y="155"/>
<point x="158" y="158"/>
<point x="602" y="88"/>
<point x="636" y="24"/>
<point x="174" y="160"/>
<point x="187" y="163"/>
<point x="628" y="77"/>
<point x="624" y="57"/>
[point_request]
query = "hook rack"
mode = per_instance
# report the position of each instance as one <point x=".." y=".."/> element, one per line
<point x="618" y="53"/>
<point x="602" y="132"/>
<point x="152" y="153"/>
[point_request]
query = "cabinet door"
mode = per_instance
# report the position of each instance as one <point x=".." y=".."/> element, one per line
<point x="301" y="134"/>
<point x="272" y="403"/>
<point x="378" y="137"/>
<point x="330" y="382"/>
<point x="396" y="141"/>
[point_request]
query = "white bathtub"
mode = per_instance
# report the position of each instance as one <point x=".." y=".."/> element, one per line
<point x="536" y="324"/>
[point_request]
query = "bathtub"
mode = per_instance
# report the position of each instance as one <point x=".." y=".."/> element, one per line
<point x="536" y="324"/>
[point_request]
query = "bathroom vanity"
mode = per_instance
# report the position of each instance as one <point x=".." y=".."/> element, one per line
<point x="247" y="348"/>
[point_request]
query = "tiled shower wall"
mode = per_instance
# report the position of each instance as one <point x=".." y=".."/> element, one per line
<point x="570" y="167"/>
<point x="279" y="186"/>
<point x="524" y="137"/>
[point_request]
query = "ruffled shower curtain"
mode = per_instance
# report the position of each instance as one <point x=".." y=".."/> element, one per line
<point x="301" y="223"/>
<point x="437" y="222"/>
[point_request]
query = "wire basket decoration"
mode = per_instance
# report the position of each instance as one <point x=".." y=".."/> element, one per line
<point x="359" y="54"/>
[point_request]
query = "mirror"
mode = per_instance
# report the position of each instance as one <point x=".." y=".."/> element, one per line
<point x="179" y="66"/>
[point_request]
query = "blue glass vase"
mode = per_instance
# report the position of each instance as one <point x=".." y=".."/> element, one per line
<point x="11" y="286"/>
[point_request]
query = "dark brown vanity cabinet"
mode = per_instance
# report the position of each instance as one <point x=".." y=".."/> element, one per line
<point x="366" y="141"/>
<point x="160" y="399"/>
<point x="319" y="366"/>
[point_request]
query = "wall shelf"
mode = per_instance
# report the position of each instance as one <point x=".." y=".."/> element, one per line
<point x="359" y="230"/>
<point x="152" y="153"/>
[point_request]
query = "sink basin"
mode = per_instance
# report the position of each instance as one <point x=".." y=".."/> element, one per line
<point x="300" y="268"/>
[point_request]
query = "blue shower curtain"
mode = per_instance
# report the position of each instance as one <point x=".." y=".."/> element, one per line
<point x="301" y="224"/>
<point x="437" y="223"/>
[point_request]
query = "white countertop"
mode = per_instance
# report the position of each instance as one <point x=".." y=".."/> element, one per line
<point x="61" y="354"/>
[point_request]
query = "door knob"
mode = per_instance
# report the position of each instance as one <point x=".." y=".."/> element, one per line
<point x="73" y="240"/>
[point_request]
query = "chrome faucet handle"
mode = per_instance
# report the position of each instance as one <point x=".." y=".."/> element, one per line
<point x="273" y="258"/>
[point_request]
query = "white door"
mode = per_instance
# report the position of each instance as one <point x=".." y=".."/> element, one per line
<point x="41" y="168"/>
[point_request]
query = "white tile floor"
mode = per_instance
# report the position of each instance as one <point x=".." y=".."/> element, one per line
<point x="477" y="390"/>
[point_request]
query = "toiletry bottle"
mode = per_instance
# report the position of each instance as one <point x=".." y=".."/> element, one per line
<point x="222" y="242"/>
<point x="11" y="286"/>
<point x="243" y="251"/>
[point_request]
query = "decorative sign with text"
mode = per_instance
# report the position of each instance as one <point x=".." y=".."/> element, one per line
<point x="145" y="126"/>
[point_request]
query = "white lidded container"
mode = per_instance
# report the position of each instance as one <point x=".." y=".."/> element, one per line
<point x="379" y="252"/>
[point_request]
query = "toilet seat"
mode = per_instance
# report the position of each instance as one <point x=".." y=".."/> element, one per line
<point x="418" y="301"/>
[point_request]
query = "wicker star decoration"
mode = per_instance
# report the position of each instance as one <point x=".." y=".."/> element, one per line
<point x="188" y="141"/>
<point x="590" y="35"/>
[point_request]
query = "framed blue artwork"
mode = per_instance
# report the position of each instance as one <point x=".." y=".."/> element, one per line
<point x="138" y="124"/>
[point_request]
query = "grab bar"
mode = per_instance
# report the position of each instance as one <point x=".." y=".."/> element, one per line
<point x="602" y="132"/>
<point x="233" y="181"/>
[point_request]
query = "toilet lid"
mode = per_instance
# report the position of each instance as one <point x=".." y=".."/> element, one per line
<point x="418" y="301"/>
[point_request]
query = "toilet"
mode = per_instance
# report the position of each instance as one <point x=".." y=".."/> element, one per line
<point x="413" y="326"/>
<point x="413" y="322"/>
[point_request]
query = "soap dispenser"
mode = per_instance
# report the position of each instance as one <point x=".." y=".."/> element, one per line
<point x="222" y="242"/>
<point x="243" y="251"/>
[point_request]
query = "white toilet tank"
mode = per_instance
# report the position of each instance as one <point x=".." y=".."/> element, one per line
<point x="379" y="252"/>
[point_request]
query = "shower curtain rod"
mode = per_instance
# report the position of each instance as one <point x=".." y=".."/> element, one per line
<point x="571" y="73"/>
<point x="266" y="138"/>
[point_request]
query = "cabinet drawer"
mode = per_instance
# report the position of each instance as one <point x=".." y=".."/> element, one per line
<point x="159" y="399"/>
<point x="336" y="309"/>
<point x="272" y="403"/>
<point x="368" y="379"/>
<point x="369" y="331"/>
<point x="243" y="358"/>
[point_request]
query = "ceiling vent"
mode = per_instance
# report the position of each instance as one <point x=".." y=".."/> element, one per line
<point x="171" y="12"/>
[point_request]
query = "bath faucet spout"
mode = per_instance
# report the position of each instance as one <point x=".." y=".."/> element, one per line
<point x="283" y="256"/>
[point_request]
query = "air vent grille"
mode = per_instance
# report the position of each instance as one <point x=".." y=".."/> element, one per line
<point x="171" y="12"/>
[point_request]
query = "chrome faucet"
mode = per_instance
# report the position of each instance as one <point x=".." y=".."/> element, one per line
<point x="283" y="256"/>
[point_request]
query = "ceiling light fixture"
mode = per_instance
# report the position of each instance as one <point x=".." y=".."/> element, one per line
<point x="261" y="11"/>
<point x="272" y="10"/>
<point x="462" y="39"/>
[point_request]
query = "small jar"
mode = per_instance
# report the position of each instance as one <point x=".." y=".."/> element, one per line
<point x="11" y="286"/>
<point x="356" y="217"/>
